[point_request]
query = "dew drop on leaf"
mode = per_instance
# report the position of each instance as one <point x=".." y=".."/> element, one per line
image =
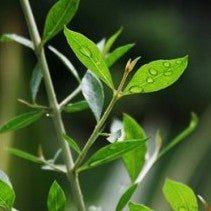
<point x="136" y="89"/>
<point x="178" y="61"/>
<point x="150" y="80"/>
<point x="86" y="52"/>
<point x="166" y="64"/>
<point x="167" y="73"/>
<point x="153" y="72"/>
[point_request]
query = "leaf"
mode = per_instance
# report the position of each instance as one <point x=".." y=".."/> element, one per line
<point x="134" y="160"/>
<point x="111" y="41"/>
<point x="156" y="75"/>
<point x="7" y="195"/>
<point x="117" y="54"/>
<point x="21" y="121"/>
<point x="56" y="198"/>
<point x="66" y="62"/>
<point x="111" y="152"/>
<point x="17" y="38"/>
<point x="72" y="143"/>
<point x="25" y="155"/>
<point x="138" y="207"/>
<point x="35" y="82"/>
<point x="181" y="136"/>
<point x="126" y="196"/>
<point x="115" y="136"/>
<point x="179" y="196"/>
<point x="5" y="178"/>
<point x="89" y="55"/>
<point x="92" y="90"/>
<point x="59" y="15"/>
<point x="76" y="107"/>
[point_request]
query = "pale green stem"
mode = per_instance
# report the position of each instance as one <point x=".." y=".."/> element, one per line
<point x="39" y="50"/>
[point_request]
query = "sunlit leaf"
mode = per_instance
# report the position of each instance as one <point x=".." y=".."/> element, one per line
<point x="21" y="121"/>
<point x="134" y="160"/>
<point x="156" y="75"/>
<point x="89" y="55"/>
<point x="126" y="196"/>
<point x="56" y="198"/>
<point x="138" y="207"/>
<point x="111" y="152"/>
<point x="179" y="196"/>
<point x="72" y="143"/>
<point x="92" y="90"/>
<point x="59" y="15"/>
<point x="76" y="107"/>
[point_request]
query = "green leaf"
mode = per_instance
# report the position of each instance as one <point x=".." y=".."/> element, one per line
<point x="92" y="90"/>
<point x="21" y="121"/>
<point x="59" y="15"/>
<point x="111" y="152"/>
<point x="25" y="155"/>
<point x="66" y="62"/>
<point x="56" y="198"/>
<point x="179" y="196"/>
<point x="72" y="143"/>
<point x="138" y="207"/>
<point x="117" y="54"/>
<point x="181" y="136"/>
<point x="111" y="41"/>
<point x="89" y="55"/>
<point x="16" y="38"/>
<point x="134" y="160"/>
<point x="156" y="75"/>
<point x="76" y="107"/>
<point x="126" y="196"/>
<point x="35" y="82"/>
<point x="5" y="178"/>
<point x="7" y="195"/>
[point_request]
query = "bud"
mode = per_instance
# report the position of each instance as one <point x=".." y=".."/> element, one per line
<point x="131" y="64"/>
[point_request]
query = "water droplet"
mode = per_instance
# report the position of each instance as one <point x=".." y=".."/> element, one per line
<point x="178" y="61"/>
<point x="150" y="80"/>
<point x="153" y="71"/>
<point x="136" y="89"/>
<point x="168" y="73"/>
<point x="48" y="115"/>
<point x="85" y="51"/>
<point x="166" y="64"/>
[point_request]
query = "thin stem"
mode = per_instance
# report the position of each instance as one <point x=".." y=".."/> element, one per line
<point x="70" y="97"/>
<point x="73" y="178"/>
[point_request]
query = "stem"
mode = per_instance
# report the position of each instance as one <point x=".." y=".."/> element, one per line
<point x="57" y="119"/>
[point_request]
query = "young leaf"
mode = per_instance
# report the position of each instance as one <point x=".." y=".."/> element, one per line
<point x="111" y="152"/>
<point x="156" y="75"/>
<point x="16" y="38"/>
<point x="66" y="62"/>
<point x="59" y="15"/>
<point x="111" y="41"/>
<point x="72" y="143"/>
<point x="25" y="155"/>
<point x="117" y="54"/>
<point x="126" y="196"/>
<point x="7" y="196"/>
<point x="56" y="198"/>
<point x="5" y="178"/>
<point x="89" y="55"/>
<point x="138" y="207"/>
<point x="21" y="121"/>
<point x="179" y="196"/>
<point x="76" y="107"/>
<point x="181" y="136"/>
<point x="36" y="79"/>
<point x="134" y="160"/>
<point x="92" y="90"/>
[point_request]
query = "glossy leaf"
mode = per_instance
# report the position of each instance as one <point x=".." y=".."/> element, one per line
<point x="21" y="121"/>
<point x="66" y="62"/>
<point x="126" y="196"/>
<point x="35" y="82"/>
<point x="56" y="198"/>
<point x="5" y="178"/>
<point x="115" y="136"/>
<point x="179" y="196"/>
<point x="111" y="41"/>
<point x="89" y="55"/>
<point x="156" y="75"/>
<point x="117" y="54"/>
<point x="17" y="38"/>
<point x="25" y="155"/>
<point x="111" y="152"/>
<point x="59" y="15"/>
<point x="76" y="107"/>
<point x="134" y="160"/>
<point x="181" y="136"/>
<point x="92" y="90"/>
<point x="138" y="207"/>
<point x="72" y="143"/>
